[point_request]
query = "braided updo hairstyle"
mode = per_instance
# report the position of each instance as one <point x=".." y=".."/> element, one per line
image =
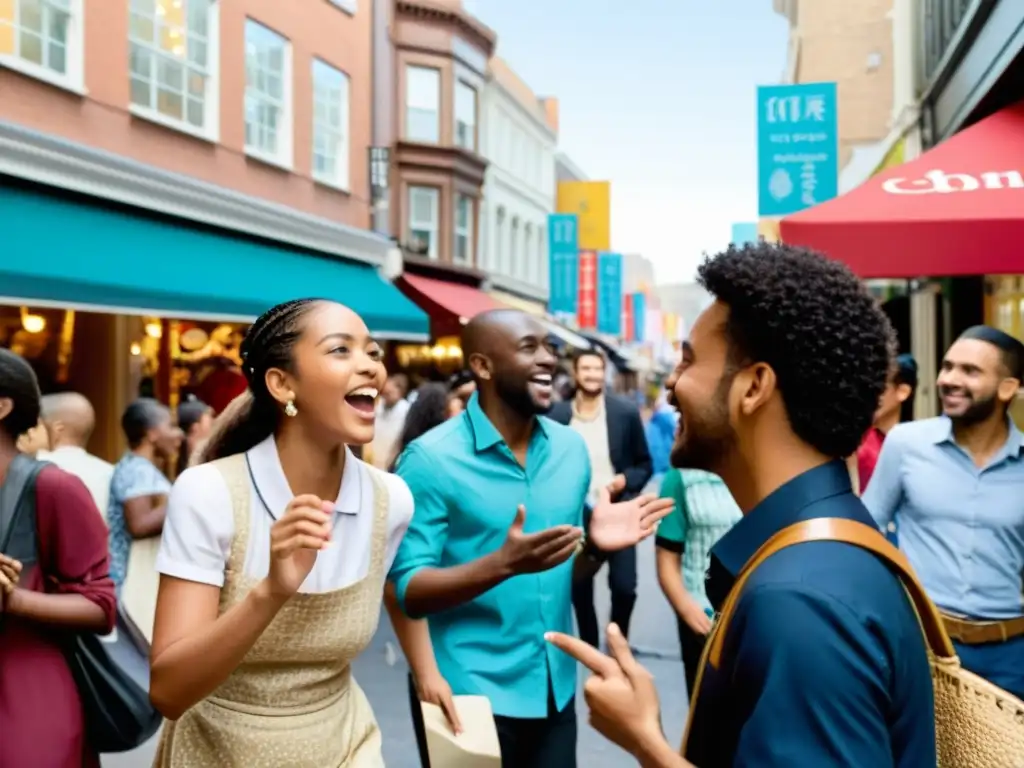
<point x="253" y="416"/>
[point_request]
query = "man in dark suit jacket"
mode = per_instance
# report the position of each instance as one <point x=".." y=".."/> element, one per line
<point x="614" y="433"/>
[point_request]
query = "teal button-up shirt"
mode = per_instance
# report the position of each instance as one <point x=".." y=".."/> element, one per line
<point x="467" y="486"/>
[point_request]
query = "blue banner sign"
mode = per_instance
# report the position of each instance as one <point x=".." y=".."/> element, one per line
<point x="797" y="147"/>
<point x="639" y="316"/>
<point x="609" y="293"/>
<point x="744" y="233"/>
<point x="563" y="257"/>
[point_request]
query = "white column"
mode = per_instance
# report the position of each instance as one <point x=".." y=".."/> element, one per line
<point x="923" y="342"/>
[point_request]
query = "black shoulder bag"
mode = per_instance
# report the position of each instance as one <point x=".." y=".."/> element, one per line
<point x="111" y="672"/>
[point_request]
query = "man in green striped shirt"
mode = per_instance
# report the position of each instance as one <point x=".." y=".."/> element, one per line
<point x="704" y="512"/>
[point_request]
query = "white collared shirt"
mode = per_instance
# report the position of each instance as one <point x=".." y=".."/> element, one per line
<point x="200" y="525"/>
<point x="594" y="431"/>
<point x="93" y="471"/>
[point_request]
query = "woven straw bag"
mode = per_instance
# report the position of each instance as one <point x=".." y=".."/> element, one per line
<point x="977" y="724"/>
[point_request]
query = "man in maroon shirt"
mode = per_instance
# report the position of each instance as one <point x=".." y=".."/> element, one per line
<point x="895" y="405"/>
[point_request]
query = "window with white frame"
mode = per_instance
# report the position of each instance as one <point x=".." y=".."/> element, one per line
<point x="500" y="249"/>
<point x="527" y="252"/>
<point x="513" y="248"/>
<point x="268" y="93"/>
<point x="515" y="150"/>
<point x="330" y="124"/>
<point x="424" y="204"/>
<point x="463" y="253"/>
<point x="465" y="116"/>
<point x="172" y="47"/>
<point x="541" y="254"/>
<point x="43" y="39"/>
<point x="423" y="104"/>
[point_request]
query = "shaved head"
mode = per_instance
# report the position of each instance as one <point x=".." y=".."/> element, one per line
<point x="488" y="329"/>
<point x="511" y="359"/>
<point x="69" y="418"/>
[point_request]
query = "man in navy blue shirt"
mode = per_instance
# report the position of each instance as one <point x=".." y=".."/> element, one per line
<point x="824" y="663"/>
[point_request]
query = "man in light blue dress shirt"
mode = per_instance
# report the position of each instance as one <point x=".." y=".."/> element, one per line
<point x="496" y="540"/>
<point x="955" y="487"/>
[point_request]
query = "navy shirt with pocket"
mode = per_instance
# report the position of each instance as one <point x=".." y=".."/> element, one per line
<point x="824" y="662"/>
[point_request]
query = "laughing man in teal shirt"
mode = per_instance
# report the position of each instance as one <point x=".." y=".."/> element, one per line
<point x="497" y="539"/>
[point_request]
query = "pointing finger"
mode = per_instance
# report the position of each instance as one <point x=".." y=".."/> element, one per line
<point x="585" y="654"/>
<point x="621" y="652"/>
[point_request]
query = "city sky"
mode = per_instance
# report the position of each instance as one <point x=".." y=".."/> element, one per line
<point x="658" y="97"/>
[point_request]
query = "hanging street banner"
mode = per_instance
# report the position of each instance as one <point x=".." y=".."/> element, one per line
<point x="586" y="304"/>
<point x="639" y="316"/>
<point x="744" y="233"/>
<point x="609" y="293"/>
<point x="797" y="147"/>
<point x="563" y="254"/>
<point x="591" y="202"/>
<point x="628" y="324"/>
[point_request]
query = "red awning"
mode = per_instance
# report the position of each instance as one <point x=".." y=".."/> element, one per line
<point x="439" y="296"/>
<point x="958" y="209"/>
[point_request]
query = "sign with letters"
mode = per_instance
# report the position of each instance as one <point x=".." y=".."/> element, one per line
<point x="563" y="254"/>
<point x="609" y="293"/>
<point x="797" y="147"/>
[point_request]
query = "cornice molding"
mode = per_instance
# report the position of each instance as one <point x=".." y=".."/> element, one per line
<point x="451" y="160"/>
<point x="45" y="159"/>
<point x="475" y="31"/>
<point x="520" y="288"/>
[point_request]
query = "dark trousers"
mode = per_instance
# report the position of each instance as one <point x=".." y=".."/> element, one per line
<point x="417" y="724"/>
<point x="1001" y="664"/>
<point x="691" y="648"/>
<point x="546" y="742"/>
<point x="621" y="582"/>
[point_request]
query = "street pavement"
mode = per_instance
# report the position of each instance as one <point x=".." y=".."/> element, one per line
<point x="382" y="670"/>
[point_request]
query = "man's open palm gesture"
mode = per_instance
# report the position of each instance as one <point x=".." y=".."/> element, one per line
<point x="618" y="526"/>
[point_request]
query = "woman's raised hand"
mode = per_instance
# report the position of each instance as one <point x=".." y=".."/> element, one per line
<point x="295" y="540"/>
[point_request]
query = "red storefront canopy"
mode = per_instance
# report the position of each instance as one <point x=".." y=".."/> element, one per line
<point x="450" y="305"/>
<point x="958" y="209"/>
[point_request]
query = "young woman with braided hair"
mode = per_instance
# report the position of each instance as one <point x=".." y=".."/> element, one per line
<point x="273" y="559"/>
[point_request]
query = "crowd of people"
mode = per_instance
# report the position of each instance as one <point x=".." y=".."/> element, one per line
<point x="481" y="510"/>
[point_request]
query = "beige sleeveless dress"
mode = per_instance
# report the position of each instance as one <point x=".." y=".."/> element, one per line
<point x="292" y="703"/>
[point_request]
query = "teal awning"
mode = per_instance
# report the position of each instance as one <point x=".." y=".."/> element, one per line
<point x="58" y="251"/>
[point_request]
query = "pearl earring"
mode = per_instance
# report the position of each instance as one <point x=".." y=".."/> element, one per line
<point x="290" y="409"/>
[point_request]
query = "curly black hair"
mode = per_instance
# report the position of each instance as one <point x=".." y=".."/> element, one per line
<point x="813" y="321"/>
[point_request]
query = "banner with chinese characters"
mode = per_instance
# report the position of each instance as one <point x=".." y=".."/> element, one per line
<point x="797" y="147"/>
<point x="563" y="253"/>
<point x="586" y="303"/>
<point x="628" y="326"/>
<point x="609" y="293"/>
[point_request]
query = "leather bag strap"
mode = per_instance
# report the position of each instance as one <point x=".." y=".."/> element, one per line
<point x="849" y="532"/>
